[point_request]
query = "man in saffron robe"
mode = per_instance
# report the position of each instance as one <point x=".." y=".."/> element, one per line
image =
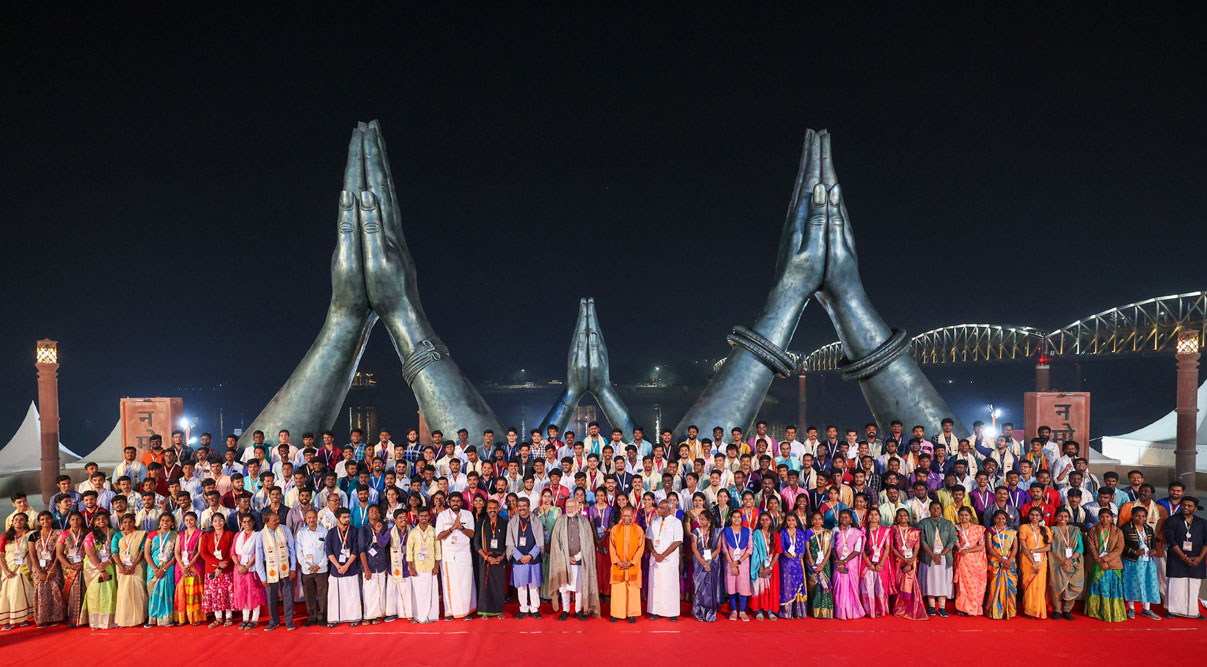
<point x="626" y="544"/>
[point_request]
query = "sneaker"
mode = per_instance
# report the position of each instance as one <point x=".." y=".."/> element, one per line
<point x="272" y="626"/>
<point x="1131" y="613"/>
<point x="1068" y="615"/>
<point x="942" y="613"/>
<point x="535" y="614"/>
<point x="290" y="627"/>
<point x="563" y="616"/>
<point x="1148" y="613"/>
<point x="391" y="619"/>
<point x="582" y="616"/>
<point x="522" y="614"/>
<point x="930" y="611"/>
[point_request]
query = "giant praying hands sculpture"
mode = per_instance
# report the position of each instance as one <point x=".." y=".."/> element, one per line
<point x="373" y="276"/>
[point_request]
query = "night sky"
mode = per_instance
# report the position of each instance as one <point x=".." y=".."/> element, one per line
<point x="171" y="178"/>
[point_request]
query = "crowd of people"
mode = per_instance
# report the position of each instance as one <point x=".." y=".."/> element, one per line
<point x="738" y="526"/>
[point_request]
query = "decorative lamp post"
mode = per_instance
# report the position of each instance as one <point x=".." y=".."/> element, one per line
<point x="1042" y="373"/>
<point x="1187" y="406"/>
<point x="46" y="360"/>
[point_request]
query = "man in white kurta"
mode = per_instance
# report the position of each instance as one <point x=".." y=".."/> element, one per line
<point x="455" y="530"/>
<point x="664" y="537"/>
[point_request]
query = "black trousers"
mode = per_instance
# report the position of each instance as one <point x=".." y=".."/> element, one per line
<point x="314" y="587"/>
<point x="284" y="590"/>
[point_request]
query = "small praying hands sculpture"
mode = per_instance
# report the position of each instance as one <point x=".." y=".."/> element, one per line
<point x="373" y="277"/>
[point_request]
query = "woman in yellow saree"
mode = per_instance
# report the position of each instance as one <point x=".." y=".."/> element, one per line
<point x="1035" y="541"/>
<point x="127" y="546"/>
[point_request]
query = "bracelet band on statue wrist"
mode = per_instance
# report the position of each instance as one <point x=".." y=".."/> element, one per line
<point x="426" y="353"/>
<point x="769" y="354"/>
<point x="878" y="360"/>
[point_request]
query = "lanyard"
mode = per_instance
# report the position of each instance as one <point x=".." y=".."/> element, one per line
<point x="343" y="538"/>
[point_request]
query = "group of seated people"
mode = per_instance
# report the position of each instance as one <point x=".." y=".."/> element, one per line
<point x="749" y="527"/>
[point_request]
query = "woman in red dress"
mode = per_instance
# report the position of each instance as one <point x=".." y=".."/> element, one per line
<point x="765" y="571"/>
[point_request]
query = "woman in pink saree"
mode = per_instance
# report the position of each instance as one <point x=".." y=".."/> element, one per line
<point x="970" y="567"/>
<point x="909" y="602"/>
<point x="876" y="584"/>
<point x="848" y="566"/>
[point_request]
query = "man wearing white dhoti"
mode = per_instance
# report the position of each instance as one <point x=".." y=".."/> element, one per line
<point x="398" y="581"/>
<point x="664" y="537"/>
<point x="374" y="562"/>
<point x="1186" y="560"/>
<point x="342" y="547"/>
<point x="423" y="557"/>
<point x="455" y="530"/>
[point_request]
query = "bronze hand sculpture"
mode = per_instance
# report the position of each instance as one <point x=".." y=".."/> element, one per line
<point x="373" y="275"/>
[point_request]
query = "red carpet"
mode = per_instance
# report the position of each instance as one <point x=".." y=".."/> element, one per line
<point x="662" y="643"/>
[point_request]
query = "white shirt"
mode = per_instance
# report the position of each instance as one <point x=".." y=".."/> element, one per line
<point x="310" y="548"/>
<point x="458" y="482"/>
<point x="135" y="470"/>
<point x="664" y="531"/>
<point x="797" y="448"/>
<point x="456" y="541"/>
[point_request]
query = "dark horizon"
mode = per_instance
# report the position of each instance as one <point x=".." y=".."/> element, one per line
<point x="173" y="176"/>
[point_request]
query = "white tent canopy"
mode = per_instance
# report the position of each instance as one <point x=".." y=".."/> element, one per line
<point x="109" y="452"/>
<point x="24" y="451"/>
<point x="1154" y="444"/>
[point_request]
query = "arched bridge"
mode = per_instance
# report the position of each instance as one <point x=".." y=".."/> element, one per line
<point x="1143" y="328"/>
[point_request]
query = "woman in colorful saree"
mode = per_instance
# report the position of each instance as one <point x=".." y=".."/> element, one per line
<point x="47" y="572"/>
<point x="909" y="602"/>
<point x="817" y="560"/>
<point x="1066" y="574"/>
<point x="848" y="566"/>
<point x="127" y="545"/>
<point x="764" y="570"/>
<point x="1001" y="546"/>
<point x="16" y="589"/>
<point x="1139" y="566"/>
<point x="1035" y="540"/>
<point x="971" y="566"/>
<point x="708" y="578"/>
<point x="876" y="584"/>
<point x="190" y="570"/>
<point x="161" y="572"/>
<point x="794" y="596"/>
<point x="100" y="600"/>
<point x="1105" y="545"/>
<point x="70" y="551"/>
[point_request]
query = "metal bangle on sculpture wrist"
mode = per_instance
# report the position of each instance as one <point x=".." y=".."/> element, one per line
<point x="426" y="353"/>
<point x="771" y="355"/>
<point x="878" y="360"/>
